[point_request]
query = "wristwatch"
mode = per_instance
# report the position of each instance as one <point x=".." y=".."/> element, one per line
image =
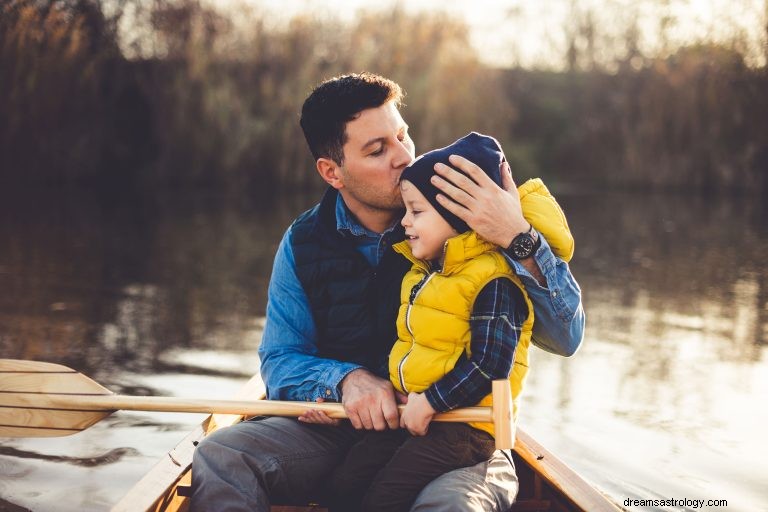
<point x="524" y="245"/>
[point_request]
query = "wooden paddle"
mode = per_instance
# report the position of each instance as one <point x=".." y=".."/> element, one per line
<point x="47" y="400"/>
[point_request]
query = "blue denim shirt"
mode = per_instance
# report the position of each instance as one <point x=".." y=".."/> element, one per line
<point x="290" y="365"/>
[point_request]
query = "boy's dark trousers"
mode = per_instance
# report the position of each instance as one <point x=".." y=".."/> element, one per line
<point x="385" y="471"/>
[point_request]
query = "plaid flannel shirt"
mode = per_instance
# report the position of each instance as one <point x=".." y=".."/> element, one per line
<point x="496" y="323"/>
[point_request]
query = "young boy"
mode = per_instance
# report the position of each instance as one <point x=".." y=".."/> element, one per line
<point x="464" y="320"/>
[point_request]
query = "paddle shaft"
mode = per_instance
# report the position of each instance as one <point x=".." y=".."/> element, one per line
<point x="39" y="399"/>
<point x="243" y="407"/>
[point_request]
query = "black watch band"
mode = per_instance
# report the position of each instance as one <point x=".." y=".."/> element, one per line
<point x="524" y="245"/>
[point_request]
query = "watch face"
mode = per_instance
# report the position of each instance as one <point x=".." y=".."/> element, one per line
<point x="523" y="246"/>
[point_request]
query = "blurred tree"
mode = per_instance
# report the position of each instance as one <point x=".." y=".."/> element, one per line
<point x="177" y="93"/>
<point x="67" y="104"/>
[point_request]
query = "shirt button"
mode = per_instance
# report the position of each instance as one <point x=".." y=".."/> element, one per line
<point x="554" y="294"/>
<point x="327" y="392"/>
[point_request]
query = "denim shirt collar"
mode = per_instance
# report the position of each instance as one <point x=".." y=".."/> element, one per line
<point x="346" y="223"/>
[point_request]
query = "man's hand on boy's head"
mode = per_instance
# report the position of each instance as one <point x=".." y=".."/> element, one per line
<point x="493" y="212"/>
<point x="417" y="414"/>
<point x="369" y="401"/>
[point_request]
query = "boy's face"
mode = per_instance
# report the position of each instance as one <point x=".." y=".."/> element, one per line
<point x="425" y="229"/>
<point x="377" y="150"/>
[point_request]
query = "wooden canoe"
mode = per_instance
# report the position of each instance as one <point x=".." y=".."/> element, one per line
<point x="546" y="483"/>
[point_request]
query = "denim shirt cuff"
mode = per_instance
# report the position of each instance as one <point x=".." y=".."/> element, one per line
<point x="547" y="262"/>
<point x="330" y="390"/>
<point x="544" y="258"/>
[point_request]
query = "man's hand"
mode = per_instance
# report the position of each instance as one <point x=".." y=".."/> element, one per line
<point x="369" y="401"/>
<point x="417" y="414"/>
<point x="493" y="212"/>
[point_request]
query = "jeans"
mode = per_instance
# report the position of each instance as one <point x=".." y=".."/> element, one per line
<point x="385" y="471"/>
<point x="252" y="464"/>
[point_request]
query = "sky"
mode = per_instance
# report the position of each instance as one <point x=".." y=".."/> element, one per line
<point x="531" y="33"/>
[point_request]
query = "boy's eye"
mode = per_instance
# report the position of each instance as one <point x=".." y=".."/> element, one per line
<point x="416" y="212"/>
<point x="378" y="151"/>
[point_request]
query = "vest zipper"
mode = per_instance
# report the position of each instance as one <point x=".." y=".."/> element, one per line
<point x="414" y="293"/>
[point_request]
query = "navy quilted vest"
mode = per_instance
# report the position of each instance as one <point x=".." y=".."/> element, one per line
<point x="354" y="305"/>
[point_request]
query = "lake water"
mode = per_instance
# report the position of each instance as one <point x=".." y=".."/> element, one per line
<point x="666" y="398"/>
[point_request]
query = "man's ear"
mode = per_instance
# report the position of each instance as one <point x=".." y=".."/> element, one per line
<point x="330" y="172"/>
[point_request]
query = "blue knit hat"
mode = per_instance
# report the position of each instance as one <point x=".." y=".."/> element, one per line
<point x="479" y="149"/>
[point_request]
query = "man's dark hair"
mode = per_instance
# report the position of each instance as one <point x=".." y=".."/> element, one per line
<point x="335" y="102"/>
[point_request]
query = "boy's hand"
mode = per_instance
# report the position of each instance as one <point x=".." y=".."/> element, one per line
<point x="318" y="417"/>
<point x="417" y="414"/>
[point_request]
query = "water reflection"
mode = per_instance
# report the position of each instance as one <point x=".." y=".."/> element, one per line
<point x="669" y="384"/>
<point x="660" y="262"/>
<point x="168" y="298"/>
<point x="100" y="285"/>
<point x="98" y="460"/>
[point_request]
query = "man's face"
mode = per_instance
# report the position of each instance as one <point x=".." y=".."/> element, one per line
<point x="378" y="148"/>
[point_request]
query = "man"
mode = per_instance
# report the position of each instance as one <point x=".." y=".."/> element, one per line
<point x="333" y="301"/>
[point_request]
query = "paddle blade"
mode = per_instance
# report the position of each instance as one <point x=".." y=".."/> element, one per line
<point x="41" y="400"/>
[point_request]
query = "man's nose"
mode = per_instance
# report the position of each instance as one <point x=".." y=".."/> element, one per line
<point x="404" y="155"/>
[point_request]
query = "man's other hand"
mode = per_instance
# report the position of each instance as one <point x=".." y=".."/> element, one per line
<point x="369" y="401"/>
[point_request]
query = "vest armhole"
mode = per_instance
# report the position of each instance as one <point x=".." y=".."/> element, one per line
<point x="501" y="275"/>
<point x="504" y="270"/>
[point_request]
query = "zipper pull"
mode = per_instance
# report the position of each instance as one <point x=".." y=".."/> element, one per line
<point x="416" y="288"/>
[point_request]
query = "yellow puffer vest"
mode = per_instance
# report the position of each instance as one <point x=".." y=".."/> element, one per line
<point x="433" y="320"/>
<point x="546" y="216"/>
